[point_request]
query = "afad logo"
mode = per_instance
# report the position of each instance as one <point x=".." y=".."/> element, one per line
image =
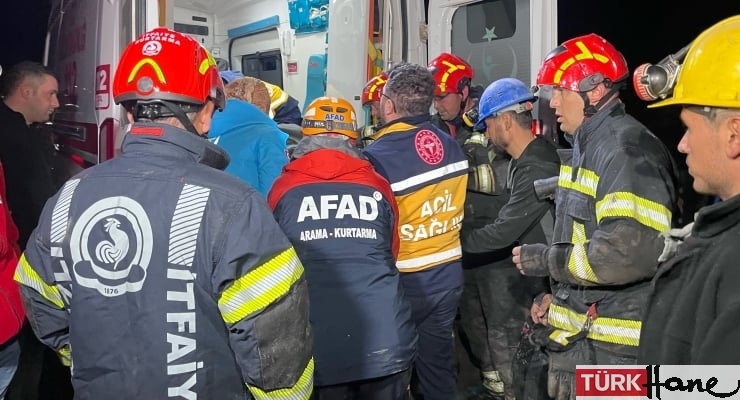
<point x="610" y="381"/>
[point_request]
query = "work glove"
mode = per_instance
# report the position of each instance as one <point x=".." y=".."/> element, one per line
<point x="561" y="377"/>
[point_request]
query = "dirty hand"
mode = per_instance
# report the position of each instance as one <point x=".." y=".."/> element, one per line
<point x="517" y="258"/>
<point x="539" y="309"/>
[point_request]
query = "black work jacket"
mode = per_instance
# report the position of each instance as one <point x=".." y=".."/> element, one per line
<point x="27" y="155"/>
<point x="694" y="308"/>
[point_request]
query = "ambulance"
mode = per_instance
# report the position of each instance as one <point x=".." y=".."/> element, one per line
<point x="309" y="48"/>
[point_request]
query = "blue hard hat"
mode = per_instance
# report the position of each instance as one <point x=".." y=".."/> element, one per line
<point x="230" y="76"/>
<point x="502" y="95"/>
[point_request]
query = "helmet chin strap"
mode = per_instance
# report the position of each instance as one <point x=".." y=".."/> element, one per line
<point x="181" y="116"/>
<point x="590" y="109"/>
<point x="164" y="109"/>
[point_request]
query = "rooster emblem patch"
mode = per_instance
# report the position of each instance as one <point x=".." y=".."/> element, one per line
<point x="110" y="245"/>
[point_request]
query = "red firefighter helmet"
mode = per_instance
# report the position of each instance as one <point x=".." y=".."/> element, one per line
<point x="451" y="74"/>
<point x="162" y="64"/>
<point x="374" y="88"/>
<point x="581" y="63"/>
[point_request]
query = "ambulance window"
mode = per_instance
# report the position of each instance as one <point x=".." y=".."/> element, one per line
<point x="496" y="19"/>
<point x="494" y="37"/>
<point x="264" y="65"/>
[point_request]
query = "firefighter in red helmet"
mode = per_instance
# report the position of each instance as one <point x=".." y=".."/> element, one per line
<point x="615" y="195"/>
<point x="157" y="274"/>
<point x="370" y="103"/>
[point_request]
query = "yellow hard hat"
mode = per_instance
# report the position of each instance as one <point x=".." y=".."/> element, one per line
<point x="710" y="74"/>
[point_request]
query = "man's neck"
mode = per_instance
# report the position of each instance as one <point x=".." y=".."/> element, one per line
<point x="519" y="143"/>
<point x="14" y="104"/>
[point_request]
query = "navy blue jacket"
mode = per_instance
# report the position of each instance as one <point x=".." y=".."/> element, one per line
<point x="158" y="272"/>
<point x="341" y="217"/>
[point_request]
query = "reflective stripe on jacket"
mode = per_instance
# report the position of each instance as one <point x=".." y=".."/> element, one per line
<point x="615" y="195"/>
<point x="428" y="173"/>
<point x="168" y="278"/>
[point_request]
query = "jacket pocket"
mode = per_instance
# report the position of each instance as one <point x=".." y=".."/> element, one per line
<point x="579" y="207"/>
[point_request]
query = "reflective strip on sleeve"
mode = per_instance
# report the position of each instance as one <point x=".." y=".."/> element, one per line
<point x="429" y="176"/>
<point x="628" y="205"/>
<point x="611" y="330"/>
<point x="586" y="181"/>
<point x="435" y="258"/>
<point x="27" y="276"/>
<point x="578" y="264"/>
<point x="260" y="287"/>
<point x="302" y="390"/>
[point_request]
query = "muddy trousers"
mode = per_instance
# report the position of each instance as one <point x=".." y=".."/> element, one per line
<point x="434" y="315"/>
<point x="493" y="308"/>
<point x="561" y="377"/>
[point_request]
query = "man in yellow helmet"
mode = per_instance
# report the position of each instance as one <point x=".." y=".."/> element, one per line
<point x="693" y="310"/>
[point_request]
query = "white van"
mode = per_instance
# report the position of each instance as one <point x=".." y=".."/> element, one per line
<point x="310" y="48"/>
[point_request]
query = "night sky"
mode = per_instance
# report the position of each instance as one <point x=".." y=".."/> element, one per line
<point x="22" y="30"/>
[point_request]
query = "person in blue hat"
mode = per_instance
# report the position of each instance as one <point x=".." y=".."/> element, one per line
<point x="505" y="115"/>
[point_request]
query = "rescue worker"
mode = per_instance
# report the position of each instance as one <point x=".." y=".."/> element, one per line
<point x="505" y="114"/>
<point x="693" y="310"/>
<point x="154" y="273"/>
<point x="428" y="174"/>
<point x="453" y="95"/>
<point x="484" y="274"/>
<point x="614" y="197"/>
<point x="343" y="221"/>
<point x="370" y="104"/>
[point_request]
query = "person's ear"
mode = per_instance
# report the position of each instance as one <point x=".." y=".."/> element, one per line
<point x="733" y="136"/>
<point x="387" y="107"/>
<point x="465" y="93"/>
<point x="597" y="93"/>
<point x="26" y="90"/>
<point x="202" y="120"/>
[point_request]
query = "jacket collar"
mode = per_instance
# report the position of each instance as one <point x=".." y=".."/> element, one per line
<point x="714" y="219"/>
<point x="169" y="141"/>
<point x="590" y="125"/>
<point x="400" y="125"/>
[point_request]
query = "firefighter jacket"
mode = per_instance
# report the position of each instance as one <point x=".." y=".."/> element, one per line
<point x="167" y="278"/>
<point x="27" y="156"/>
<point x="11" y="306"/>
<point x="427" y="171"/>
<point x="525" y="218"/>
<point x="342" y="219"/>
<point x="615" y="195"/>
<point x="694" y="307"/>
